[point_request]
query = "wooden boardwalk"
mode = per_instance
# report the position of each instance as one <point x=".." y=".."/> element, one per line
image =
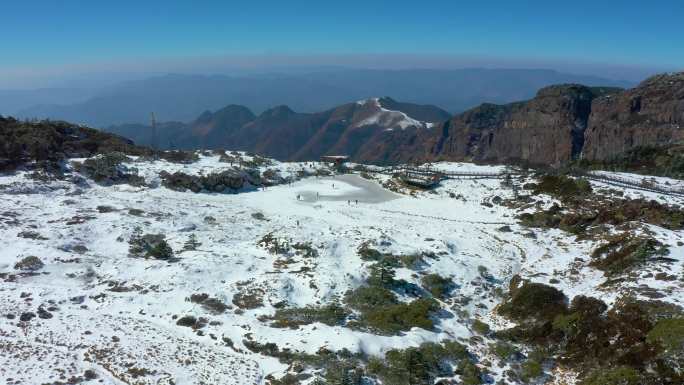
<point x="633" y="184"/>
<point x="437" y="175"/>
<point x="441" y="175"/>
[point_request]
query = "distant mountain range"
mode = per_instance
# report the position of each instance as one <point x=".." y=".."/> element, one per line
<point x="559" y="124"/>
<point x="183" y="97"/>
<point x="357" y="129"/>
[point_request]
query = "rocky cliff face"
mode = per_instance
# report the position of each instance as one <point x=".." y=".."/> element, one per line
<point x="548" y="129"/>
<point x="566" y="122"/>
<point x="651" y="114"/>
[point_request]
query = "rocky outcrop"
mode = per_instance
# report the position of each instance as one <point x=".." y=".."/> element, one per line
<point x="233" y="179"/>
<point x="548" y="129"/>
<point x="565" y="122"/>
<point x="109" y="169"/>
<point x="51" y="142"/>
<point x="651" y="114"/>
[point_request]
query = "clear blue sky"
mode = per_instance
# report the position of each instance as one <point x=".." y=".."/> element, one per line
<point x="58" y="32"/>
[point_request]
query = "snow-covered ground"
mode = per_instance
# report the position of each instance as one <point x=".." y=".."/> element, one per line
<point x="116" y="315"/>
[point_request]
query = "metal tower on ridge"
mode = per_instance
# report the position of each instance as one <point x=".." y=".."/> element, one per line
<point x="154" y="131"/>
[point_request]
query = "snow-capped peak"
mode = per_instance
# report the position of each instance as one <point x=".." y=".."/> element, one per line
<point x="390" y="119"/>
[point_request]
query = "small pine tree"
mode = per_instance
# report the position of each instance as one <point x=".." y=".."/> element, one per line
<point x="382" y="274"/>
<point x="136" y="247"/>
<point x="191" y="244"/>
<point x="161" y="250"/>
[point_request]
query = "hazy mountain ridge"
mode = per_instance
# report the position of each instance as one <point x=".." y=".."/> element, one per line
<point x="549" y="129"/>
<point x="283" y="133"/>
<point x="184" y="97"/>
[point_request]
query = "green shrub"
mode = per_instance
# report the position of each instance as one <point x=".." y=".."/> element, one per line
<point x="368" y="253"/>
<point x="534" y="301"/>
<point x="249" y="298"/>
<point x="562" y="187"/>
<point x="417" y="365"/>
<point x="149" y="245"/>
<point x="503" y="350"/>
<point x="161" y="250"/>
<point x="617" y="376"/>
<point x="344" y="373"/>
<point x="470" y="374"/>
<point x="669" y="333"/>
<point x="213" y="305"/>
<point x="382" y="274"/>
<point x="191" y="244"/>
<point x="30" y="263"/>
<point x="366" y="298"/>
<point x="332" y="314"/>
<point x="412" y="261"/>
<point x="179" y="156"/>
<point x="409" y="261"/>
<point x="109" y="169"/>
<point x="437" y="285"/>
<point x="530" y="370"/>
<point x="627" y="344"/>
<point x="566" y="323"/>
<point x="392" y="319"/>
<point x="624" y="252"/>
<point x="480" y="327"/>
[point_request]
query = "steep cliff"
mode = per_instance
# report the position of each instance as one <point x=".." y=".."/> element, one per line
<point x="549" y="129"/>
<point x="651" y="114"/>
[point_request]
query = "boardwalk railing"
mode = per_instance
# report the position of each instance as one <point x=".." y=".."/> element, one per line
<point x="431" y="172"/>
<point x="643" y="185"/>
<point x="631" y="183"/>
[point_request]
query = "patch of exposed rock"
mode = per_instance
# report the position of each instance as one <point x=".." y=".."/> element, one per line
<point x="233" y="179"/>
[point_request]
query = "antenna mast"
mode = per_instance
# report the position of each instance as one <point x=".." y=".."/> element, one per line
<point x="154" y="131"/>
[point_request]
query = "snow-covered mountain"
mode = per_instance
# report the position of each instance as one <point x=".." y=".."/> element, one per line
<point x="361" y="130"/>
<point x="383" y="117"/>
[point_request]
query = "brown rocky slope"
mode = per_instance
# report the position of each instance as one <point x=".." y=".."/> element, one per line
<point x="651" y="114"/>
<point x="565" y="122"/>
<point x="50" y="142"/>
